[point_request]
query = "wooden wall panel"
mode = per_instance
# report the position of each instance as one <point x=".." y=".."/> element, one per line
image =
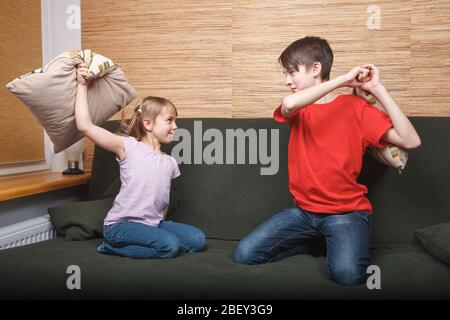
<point x="219" y="58"/>
<point x="430" y="58"/>
<point x="261" y="32"/>
<point x="22" y="137"/>
<point x="180" y="50"/>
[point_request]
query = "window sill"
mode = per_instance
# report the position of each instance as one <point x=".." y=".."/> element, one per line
<point x="27" y="184"/>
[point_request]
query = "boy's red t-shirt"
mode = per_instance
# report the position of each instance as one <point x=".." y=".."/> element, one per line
<point x="325" y="153"/>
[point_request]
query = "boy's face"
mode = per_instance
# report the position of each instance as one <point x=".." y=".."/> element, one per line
<point x="301" y="79"/>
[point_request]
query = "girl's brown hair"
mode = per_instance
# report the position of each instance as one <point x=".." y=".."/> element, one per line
<point x="148" y="107"/>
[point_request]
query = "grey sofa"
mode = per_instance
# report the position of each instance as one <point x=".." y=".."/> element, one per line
<point x="227" y="201"/>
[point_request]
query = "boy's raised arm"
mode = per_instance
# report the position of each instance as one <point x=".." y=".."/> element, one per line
<point x="403" y="134"/>
<point x="293" y="102"/>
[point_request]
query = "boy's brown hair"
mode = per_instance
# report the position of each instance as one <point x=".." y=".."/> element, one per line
<point x="306" y="51"/>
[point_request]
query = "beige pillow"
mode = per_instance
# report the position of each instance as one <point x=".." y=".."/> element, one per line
<point x="391" y="155"/>
<point x="50" y="93"/>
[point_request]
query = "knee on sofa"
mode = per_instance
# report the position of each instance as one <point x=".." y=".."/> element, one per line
<point x="348" y="275"/>
<point x="198" y="242"/>
<point x="245" y="254"/>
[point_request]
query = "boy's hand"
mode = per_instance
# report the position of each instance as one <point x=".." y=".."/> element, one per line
<point x="372" y="81"/>
<point x="82" y="74"/>
<point x="356" y="77"/>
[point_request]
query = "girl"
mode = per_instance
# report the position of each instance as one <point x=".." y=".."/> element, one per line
<point x="135" y="225"/>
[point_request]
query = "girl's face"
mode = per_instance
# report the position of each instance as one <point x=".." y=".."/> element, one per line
<point x="164" y="125"/>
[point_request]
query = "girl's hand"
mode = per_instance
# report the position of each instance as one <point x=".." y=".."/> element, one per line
<point x="82" y="74"/>
<point x="372" y="81"/>
<point x="355" y="78"/>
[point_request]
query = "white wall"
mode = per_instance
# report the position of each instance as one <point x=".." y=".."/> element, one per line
<point x="61" y="31"/>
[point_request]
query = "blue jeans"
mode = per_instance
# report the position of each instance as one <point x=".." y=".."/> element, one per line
<point x="140" y="241"/>
<point x="296" y="231"/>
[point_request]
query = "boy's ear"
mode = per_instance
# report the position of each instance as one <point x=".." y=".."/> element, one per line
<point x="316" y="68"/>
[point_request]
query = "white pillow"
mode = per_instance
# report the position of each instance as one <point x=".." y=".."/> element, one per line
<point x="50" y="94"/>
<point x="392" y="155"/>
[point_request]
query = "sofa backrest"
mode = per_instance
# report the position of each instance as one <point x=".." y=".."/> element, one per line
<point x="227" y="201"/>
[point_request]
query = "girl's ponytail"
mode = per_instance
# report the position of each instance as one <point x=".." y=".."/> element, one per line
<point x="133" y="127"/>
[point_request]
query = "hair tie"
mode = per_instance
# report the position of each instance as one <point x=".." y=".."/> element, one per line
<point x="138" y="109"/>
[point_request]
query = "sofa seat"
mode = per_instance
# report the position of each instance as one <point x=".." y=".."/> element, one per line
<point x="39" y="271"/>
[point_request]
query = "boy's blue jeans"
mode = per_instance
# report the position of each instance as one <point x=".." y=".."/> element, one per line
<point x="140" y="241"/>
<point x="294" y="230"/>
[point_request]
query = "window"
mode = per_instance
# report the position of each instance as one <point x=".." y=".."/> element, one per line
<point x="21" y="135"/>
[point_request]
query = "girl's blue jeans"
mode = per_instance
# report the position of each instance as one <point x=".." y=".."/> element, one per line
<point x="140" y="241"/>
<point x="296" y="231"/>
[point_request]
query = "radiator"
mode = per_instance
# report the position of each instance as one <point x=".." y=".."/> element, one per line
<point x="27" y="232"/>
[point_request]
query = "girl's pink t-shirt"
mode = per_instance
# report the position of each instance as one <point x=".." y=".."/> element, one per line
<point x="145" y="177"/>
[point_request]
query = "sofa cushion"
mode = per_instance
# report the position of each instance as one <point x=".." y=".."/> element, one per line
<point x="225" y="201"/>
<point x="112" y="190"/>
<point x="81" y="220"/>
<point x="50" y="94"/>
<point x="38" y="271"/>
<point x="436" y="240"/>
<point x="228" y="200"/>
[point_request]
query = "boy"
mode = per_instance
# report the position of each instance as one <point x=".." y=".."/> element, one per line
<point x="327" y="141"/>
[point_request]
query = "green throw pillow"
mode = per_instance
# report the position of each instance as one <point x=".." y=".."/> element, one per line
<point x="436" y="240"/>
<point x="81" y="220"/>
